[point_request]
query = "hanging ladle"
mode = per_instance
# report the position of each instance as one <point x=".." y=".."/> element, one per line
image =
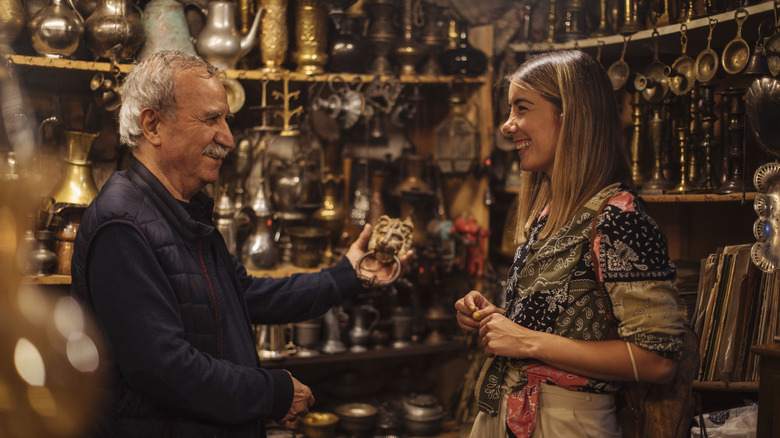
<point x="737" y="52"/>
<point x="707" y="62"/>
<point x="618" y="71"/>
<point x="654" y="82"/>
<point x="681" y="75"/>
<point x="772" y="46"/>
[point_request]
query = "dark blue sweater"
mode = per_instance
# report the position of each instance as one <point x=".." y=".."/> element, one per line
<point x="175" y="308"/>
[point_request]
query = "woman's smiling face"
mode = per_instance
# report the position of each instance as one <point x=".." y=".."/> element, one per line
<point x="534" y="124"/>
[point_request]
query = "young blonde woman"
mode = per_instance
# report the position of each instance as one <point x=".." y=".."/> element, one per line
<point x="554" y="364"/>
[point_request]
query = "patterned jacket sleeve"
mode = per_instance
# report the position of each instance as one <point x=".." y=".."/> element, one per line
<point x="639" y="277"/>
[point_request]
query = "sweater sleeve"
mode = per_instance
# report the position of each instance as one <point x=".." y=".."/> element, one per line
<point x="297" y="297"/>
<point x="140" y="318"/>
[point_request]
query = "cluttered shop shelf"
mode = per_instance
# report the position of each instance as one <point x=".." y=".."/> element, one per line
<point x="250" y="75"/>
<point x="411" y="351"/>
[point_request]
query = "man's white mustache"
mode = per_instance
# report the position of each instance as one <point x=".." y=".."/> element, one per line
<point x="216" y="151"/>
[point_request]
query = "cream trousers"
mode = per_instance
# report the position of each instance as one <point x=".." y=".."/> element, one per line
<point x="562" y="413"/>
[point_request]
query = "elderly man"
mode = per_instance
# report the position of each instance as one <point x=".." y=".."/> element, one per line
<point x="175" y="306"/>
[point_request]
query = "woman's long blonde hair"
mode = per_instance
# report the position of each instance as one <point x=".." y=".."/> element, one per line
<point x="589" y="155"/>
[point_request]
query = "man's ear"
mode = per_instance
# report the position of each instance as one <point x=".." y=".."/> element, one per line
<point x="150" y="122"/>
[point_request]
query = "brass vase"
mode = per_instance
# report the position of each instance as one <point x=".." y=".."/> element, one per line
<point x="11" y="23"/>
<point x="274" y="38"/>
<point x="76" y="186"/>
<point x="573" y="25"/>
<point x="311" y="32"/>
<point x="632" y="22"/>
<point x="381" y="35"/>
<point x="332" y="213"/>
<point x="434" y="36"/>
<point x="408" y="53"/>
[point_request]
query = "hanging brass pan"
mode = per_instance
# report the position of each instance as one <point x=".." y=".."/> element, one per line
<point x="706" y="64"/>
<point x="737" y="52"/>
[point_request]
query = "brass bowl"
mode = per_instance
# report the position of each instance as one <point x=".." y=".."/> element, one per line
<point x="357" y="417"/>
<point x="319" y="424"/>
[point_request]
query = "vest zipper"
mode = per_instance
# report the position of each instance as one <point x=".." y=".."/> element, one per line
<point x="213" y="300"/>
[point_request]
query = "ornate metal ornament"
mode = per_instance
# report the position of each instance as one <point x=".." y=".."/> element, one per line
<point x="390" y="237"/>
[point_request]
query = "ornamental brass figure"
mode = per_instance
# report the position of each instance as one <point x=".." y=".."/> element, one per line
<point x="390" y="237"/>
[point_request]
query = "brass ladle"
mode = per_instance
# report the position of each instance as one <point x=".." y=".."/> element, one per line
<point x="737" y="52"/>
<point x="654" y="84"/>
<point x="681" y="78"/>
<point x="618" y="71"/>
<point x="707" y="62"/>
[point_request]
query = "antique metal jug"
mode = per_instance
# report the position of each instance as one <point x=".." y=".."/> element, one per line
<point x="332" y="324"/>
<point x="272" y="341"/>
<point x="76" y="185"/>
<point x="219" y="41"/>
<point x="56" y="30"/>
<point x="114" y="30"/>
<point x="364" y="319"/>
<point x="259" y="250"/>
<point x="165" y="28"/>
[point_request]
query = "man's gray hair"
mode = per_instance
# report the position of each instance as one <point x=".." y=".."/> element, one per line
<point x="152" y="84"/>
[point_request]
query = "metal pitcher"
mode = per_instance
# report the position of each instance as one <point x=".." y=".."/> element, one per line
<point x="272" y="341"/>
<point x="76" y="186"/>
<point x="55" y="30"/>
<point x="165" y="28"/>
<point x="219" y="41"/>
<point x="114" y="30"/>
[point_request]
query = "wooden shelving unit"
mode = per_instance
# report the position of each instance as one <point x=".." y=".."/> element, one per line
<point x="380" y="354"/>
<point x="726" y="386"/>
<point x="250" y="75"/>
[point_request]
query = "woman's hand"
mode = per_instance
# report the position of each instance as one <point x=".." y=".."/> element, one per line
<point x="473" y="308"/>
<point x="500" y="336"/>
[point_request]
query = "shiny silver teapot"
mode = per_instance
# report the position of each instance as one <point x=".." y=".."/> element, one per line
<point x="219" y="41"/>
<point x="56" y="30"/>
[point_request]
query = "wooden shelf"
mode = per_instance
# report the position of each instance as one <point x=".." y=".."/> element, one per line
<point x="385" y="353"/>
<point x="282" y="270"/>
<point x="683" y="198"/>
<point x="255" y="75"/>
<point x="646" y="34"/>
<point x="725" y="386"/>
<point x="54" y="279"/>
<point x="700" y="197"/>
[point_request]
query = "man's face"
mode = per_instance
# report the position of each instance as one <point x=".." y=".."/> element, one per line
<point x="192" y="146"/>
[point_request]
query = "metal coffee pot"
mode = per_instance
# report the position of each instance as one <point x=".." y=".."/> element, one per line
<point x="219" y="41"/>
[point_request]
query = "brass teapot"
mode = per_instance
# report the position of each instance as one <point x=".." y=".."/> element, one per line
<point x="114" y="30"/>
